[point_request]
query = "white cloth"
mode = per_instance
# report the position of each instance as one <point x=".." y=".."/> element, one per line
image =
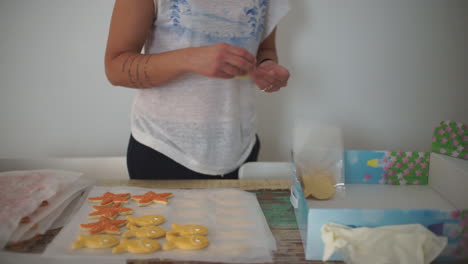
<point x="206" y="124"/>
<point x="402" y="244"/>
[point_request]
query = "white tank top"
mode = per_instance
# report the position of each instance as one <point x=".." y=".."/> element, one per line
<point x="208" y="125"/>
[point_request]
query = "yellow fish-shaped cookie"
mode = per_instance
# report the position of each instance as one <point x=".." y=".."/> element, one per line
<point x="186" y="237"/>
<point x="137" y="246"/>
<point x="193" y="242"/>
<point x="186" y="230"/>
<point x="146" y="220"/>
<point x="144" y="232"/>
<point x="95" y="241"/>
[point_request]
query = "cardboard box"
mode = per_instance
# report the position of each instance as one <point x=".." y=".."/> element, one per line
<point x="405" y="195"/>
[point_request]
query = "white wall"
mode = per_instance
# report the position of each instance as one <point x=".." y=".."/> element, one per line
<point x="386" y="71"/>
<point x="55" y="99"/>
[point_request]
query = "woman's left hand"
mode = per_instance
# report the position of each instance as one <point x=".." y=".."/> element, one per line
<point x="270" y="77"/>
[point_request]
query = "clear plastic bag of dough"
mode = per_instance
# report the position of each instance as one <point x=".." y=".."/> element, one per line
<point x="318" y="159"/>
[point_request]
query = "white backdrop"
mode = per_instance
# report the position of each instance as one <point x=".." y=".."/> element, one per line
<point x="385" y="71"/>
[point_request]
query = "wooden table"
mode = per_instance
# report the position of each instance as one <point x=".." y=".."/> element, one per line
<point x="273" y="196"/>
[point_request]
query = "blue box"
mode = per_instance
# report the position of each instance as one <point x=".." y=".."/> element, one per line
<point x="439" y="203"/>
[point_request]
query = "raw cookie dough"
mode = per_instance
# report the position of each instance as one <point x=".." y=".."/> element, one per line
<point x="319" y="185"/>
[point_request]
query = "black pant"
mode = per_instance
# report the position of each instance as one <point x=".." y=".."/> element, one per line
<point x="144" y="162"/>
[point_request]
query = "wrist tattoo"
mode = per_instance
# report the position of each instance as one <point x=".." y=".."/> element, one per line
<point x="125" y="62"/>
<point x="145" y="72"/>
<point x="140" y="83"/>
<point x="130" y="75"/>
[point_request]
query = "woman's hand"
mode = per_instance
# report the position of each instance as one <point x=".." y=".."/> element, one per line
<point x="221" y="61"/>
<point x="270" y="76"/>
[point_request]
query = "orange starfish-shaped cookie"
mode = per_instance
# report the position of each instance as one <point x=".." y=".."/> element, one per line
<point x="152" y="197"/>
<point x="109" y="198"/>
<point x="104" y="225"/>
<point x="109" y="211"/>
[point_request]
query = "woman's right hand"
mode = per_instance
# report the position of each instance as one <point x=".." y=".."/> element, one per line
<point x="221" y="60"/>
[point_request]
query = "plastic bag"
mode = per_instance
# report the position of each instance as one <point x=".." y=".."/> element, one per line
<point x="318" y="159"/>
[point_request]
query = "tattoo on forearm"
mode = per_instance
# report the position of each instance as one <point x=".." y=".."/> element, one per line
<point x="140" y="83"/>
<point x="134" y="78"/>
<point x="145" y="72"/>
<point x="130" y="75"/>
<point x="125" y="62"/>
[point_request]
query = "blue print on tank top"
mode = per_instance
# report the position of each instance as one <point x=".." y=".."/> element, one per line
<point x="241" y="27"/>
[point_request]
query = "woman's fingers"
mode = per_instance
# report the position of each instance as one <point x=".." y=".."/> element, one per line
<point x="270" y="77"/>
<point x="231" y="70"/>
<point x="220" y="61"/>
<point x="235" y="60"/>
<point x="267" y="76"/>
<point x="239" y="52"/>
<point x="263" y="85"/>
<point x="268" y="86"/>
<point x="242" y="65"/>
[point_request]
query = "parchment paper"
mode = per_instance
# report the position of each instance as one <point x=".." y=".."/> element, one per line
<point x="21" y="193"/>
<point x="238" y="231"/>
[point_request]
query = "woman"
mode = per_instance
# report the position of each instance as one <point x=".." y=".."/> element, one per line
<point x="194" y="114"/>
